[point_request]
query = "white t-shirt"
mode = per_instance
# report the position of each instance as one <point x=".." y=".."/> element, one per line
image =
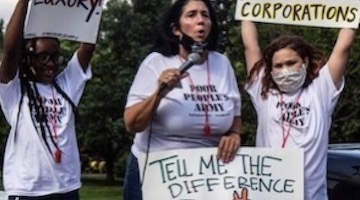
<point x="180" y="117"/>
<point x="29" y="168"/>
<point x="309" y="127"/>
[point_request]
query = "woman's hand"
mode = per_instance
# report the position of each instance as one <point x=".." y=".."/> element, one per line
<point x="12" y="42"/>
<point x="168" y="80"/>
<point x="244" y="194"/>
<point x="228" y="146"/>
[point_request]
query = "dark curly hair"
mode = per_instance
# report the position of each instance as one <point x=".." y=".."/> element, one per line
<point x="167" y="43"/>
<point x="301" y="47"/>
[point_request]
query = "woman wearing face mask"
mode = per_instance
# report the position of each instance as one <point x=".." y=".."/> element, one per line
<point x="297" y="89"/>
<point x="200" y="108"/>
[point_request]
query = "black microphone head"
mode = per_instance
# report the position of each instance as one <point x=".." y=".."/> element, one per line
<point x="194" y="58"/>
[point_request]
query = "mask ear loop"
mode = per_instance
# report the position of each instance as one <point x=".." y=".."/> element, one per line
<point x="306" y="62"/>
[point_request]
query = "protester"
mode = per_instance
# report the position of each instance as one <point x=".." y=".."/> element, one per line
<point x="41" y="157"/>
<point x="170" y="110"/>
<point x="294" y="91"/>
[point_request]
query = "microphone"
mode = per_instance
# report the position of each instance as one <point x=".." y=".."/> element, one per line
<point x="192" y="59"/>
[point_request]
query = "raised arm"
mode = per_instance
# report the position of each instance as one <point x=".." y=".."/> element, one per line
<point x="12" y="42"/>
<point x="85" y="52"/>
<point x="340" y="54"/>
<point x="249" y="36"/>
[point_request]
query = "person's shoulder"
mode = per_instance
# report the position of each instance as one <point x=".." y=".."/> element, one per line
<point x="155" y="59"/>
<point x="153" y="56"/>
<point x="218" y="56"/>
<point x="216" y="53"/>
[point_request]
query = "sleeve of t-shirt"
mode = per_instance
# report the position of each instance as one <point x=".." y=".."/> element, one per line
<point x="254" y="89"/>
<point x="73" y="78"/>
<point x="328" y="93"/>
<point x="145" y="81"/>
<point x="10" y="94"/>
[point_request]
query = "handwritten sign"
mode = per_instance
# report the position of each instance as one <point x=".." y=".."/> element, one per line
<point x="76" y="20"/>
<point x="196" y="174"/>
<point x="330" y="13"/>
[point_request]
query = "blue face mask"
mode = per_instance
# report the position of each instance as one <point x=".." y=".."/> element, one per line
<point x="191" y="45"/>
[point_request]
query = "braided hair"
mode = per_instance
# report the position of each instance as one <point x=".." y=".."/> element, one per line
<point x="28" y="87"/>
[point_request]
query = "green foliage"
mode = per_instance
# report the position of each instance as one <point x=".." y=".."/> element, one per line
<point x="94" y="187"/>
<point x="346" y="122"/>
<point x="1" y="37"/>
<point x="4" y="127"/>
<point x="4" y="130"/>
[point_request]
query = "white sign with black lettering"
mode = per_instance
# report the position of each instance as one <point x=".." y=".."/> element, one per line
<point x="330" y="13"/>
<point x="196" y="174"/>
<point x="76" y="20"/>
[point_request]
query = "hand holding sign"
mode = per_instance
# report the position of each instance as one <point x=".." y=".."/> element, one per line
<point x="197" y="174"/>
<point x="72" y="20"/>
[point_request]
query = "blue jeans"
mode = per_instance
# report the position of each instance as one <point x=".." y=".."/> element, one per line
<point x="73" y="195"/>
<point x="132" y="185"/>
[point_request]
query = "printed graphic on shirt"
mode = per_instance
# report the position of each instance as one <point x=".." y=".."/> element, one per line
<point x="54" y="109"/>
<point x="292" y="113"/>
<point x="207" y="99"/>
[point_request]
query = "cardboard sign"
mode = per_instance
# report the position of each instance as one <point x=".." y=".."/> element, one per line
<point x="196" y="174"/>
<point x="330" y="13"/>
<point x="76" y="20"/>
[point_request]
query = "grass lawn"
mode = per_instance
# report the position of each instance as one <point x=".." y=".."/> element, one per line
<point x="95" y="187"/>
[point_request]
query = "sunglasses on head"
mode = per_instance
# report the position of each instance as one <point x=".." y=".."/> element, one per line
<point x="44" y="58"/>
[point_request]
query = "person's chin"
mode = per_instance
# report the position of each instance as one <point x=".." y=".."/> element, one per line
<point x="46" y="80"/>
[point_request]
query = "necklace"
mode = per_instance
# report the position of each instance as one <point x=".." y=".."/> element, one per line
<point x="286" y="133"/>
<point x="206" y="128"/>
<point x="57" y="154"/>
<point x="45" y="110"/>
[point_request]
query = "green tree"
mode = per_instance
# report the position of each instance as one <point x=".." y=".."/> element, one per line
<point x="4" y="128"/>
<point x="1" y="37"/>
<point x="346" y="123"/>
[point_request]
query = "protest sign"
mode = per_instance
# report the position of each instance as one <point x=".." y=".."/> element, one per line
<point x="196" y="174"/>
<point x="76" y="20"/>
<point x="331" y="13"/>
